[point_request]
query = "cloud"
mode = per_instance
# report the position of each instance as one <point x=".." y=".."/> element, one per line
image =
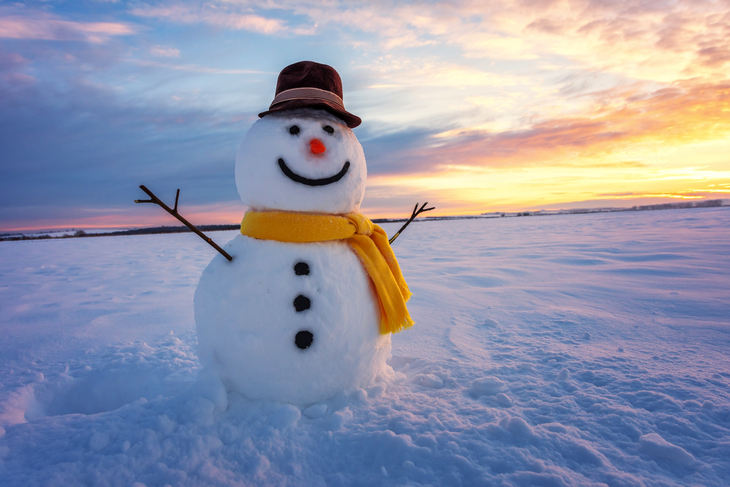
<point x="11" y="60"/>
<point x="10" y="76"/>
<point x="192" y="68"/>
<point x="684" y="113"/>
<point x="161" y="51"/>
<point x="210" y="13"/>
<point x="404" y="72"/>
<point x="72" y="151"/>
<point x="43" y="26"/>
<point x="652" y="40"/>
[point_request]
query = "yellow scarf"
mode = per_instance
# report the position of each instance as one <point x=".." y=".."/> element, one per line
<point x="368" y="240"/>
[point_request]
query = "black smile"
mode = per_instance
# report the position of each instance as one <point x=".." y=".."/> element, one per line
<point x="313" y="182"/>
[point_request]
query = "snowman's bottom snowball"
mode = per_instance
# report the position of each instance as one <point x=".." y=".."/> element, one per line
<point x="249" y="312"/>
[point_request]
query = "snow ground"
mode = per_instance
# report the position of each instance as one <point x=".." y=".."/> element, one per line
<point x="562" y="350"/>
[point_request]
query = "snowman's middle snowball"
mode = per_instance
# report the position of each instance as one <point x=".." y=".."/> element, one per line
<point x="247" y="325"/>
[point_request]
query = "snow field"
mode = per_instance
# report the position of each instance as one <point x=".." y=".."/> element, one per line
<point x="561" y="350"/>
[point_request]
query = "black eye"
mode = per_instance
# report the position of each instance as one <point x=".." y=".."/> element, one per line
<point x="328" y="129"/>
<point x="294" y="130"/>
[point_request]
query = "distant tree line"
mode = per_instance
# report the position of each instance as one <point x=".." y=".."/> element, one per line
<point x="677" y="206"/>
<point x="215" y="228"/>
<point x="135" y="231"/>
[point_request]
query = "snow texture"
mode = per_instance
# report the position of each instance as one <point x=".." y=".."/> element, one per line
<point x="561" y="350"/>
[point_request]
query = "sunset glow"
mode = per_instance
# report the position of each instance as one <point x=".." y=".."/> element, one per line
<point x="505" y="106"/>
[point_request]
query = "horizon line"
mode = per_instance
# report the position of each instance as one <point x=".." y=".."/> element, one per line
<point x="597" y="209"/>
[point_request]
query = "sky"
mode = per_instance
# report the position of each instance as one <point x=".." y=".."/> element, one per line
<point x="472" y="106"/>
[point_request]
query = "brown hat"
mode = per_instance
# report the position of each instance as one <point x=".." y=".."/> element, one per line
<point x="307" y="84"/>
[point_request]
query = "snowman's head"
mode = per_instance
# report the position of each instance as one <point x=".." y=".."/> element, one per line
<point x="301" y="160"/>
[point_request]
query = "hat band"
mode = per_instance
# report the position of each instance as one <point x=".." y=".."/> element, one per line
<point x="308" y="94"/>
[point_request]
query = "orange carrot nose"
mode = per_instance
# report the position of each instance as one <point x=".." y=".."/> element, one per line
<point x="317" y="146"/>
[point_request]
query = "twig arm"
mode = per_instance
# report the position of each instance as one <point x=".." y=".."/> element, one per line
<point x="173" y="212"/>
<point x="416" y="211"/>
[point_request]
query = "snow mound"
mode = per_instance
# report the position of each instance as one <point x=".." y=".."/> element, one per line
<point x="655" y="446"/>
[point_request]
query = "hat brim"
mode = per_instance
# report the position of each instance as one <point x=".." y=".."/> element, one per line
<point x="350" y="120"/>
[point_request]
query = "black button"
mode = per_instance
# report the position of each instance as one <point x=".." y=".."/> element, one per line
<point x="301" y="303"/>
<point x="303" y="339"/>
<point x="301" y="269"/>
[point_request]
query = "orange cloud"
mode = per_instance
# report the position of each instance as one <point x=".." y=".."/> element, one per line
<point x="681" y="114"/>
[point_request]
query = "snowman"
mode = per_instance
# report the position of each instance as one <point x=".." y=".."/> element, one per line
<point x="307" y="305"/>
